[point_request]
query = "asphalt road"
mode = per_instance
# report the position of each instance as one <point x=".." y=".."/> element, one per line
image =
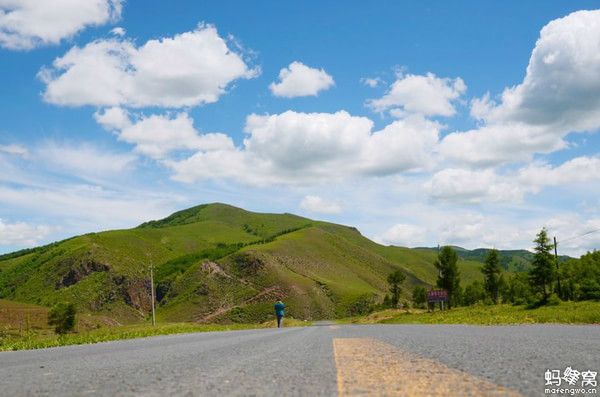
<point x="319" y="360"/>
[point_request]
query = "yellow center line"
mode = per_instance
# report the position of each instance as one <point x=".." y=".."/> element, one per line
<point x="370" y="367"/>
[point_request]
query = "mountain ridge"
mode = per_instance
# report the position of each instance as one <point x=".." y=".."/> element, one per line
<point x="220" y="262"/>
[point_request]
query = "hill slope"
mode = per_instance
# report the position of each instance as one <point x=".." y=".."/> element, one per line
<point x="217" y="263"/>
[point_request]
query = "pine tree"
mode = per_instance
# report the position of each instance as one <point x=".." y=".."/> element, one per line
<point x="503" y="289"/>
<point x="395" y="280"/>
<point x="542" y="274"/>
<point x="62" y="317"/>
<point x="491" y="274"/>
<point x="449" y="276"/>
<point x="419" y="296"/>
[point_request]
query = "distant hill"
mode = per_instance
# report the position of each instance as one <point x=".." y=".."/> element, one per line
<point x="218" y="263"/>
<point x="510" y="260"/>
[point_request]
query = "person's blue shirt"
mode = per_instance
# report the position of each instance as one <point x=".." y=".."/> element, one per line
<point x="279" y="309"/>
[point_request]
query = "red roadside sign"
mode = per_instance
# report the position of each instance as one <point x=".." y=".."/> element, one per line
<point x="437" y="295"/>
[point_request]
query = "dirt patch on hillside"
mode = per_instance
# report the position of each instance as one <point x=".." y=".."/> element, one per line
<point x="79" y="268"/>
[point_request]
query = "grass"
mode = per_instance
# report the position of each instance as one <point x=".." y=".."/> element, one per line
<point x="40" y="340"/>
<point x="586" y="312"/>
<point x="322" y="270"/>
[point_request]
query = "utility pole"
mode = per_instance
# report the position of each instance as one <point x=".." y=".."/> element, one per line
<point x="152" y="293"/>
<point x="557" y="269"/>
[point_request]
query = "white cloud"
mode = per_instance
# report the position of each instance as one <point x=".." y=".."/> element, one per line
<point x="22" y="234"/>
<point x="560" y="94"/>
<point x="25" y="24"/>
<point x="189" y="69"/>
<point x="300" y="80"/>
<point x="320" y="205"/>
<point x="427" y="95"/>
<point x="467" y="186"/>
<point x="561" y="87"/>
<point x="118" y="31"/>
<point x="114" y="118"/>
<point x="371" y="81"/>
<point x="575" y="171"/>
<point x="14" y="149"/>
<point x="575" y="234"/>
<point x="404" y="235"/>
<point x="488" y="185"/>
<point x="296" y="148"/>
<point x="84" y="160"/>
<point x="497" y="144"/>
<point x="80" y="187"/>
<point x="157" y="136"/>
<point x="88" y="207"/>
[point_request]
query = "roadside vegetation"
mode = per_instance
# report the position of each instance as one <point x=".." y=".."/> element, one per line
<point x="480" y="314"/>
<point x="217" y="264"/>
<point x="29" y="329"/>
<point x="552" y="291"/>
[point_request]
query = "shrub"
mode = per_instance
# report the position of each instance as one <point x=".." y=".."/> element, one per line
<point x="62" y="317"/>
<point x="553" y="300"/>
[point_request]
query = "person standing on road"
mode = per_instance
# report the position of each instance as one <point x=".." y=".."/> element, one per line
<point x="279" y="312"/>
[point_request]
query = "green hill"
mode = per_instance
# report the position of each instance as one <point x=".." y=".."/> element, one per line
<point x="217" y="263"/>
<point x="510" y="260"/>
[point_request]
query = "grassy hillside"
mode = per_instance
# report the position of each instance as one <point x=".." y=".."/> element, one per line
<point x="217" y="263"/>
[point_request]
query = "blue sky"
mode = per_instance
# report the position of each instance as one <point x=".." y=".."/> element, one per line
<point x="469" y="123"/>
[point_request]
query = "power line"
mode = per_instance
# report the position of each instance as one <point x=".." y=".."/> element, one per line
<point x="581" y="235"/>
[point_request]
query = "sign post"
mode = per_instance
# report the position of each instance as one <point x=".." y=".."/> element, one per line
<point x="437" y="296"/>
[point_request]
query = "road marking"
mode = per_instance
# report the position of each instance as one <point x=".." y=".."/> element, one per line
<point x="368" y="366"/>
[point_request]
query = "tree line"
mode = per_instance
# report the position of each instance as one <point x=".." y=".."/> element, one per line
<point x="547" y="282"/>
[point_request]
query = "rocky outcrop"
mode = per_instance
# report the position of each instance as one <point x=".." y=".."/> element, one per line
<point x="78" y="269"/>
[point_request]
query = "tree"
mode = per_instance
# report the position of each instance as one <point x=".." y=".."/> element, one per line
<point x="474" y="292"/>
<point x="503" y="289"/>
<point x="419" y="296"/>
<point x="581" y="277"/>
<point x="491" y="274"/>
<point x="519" y="289"/>
<point x="62" y="317"/>
<point x="542" y="273"/>
<point x="395" y="280"/>
<point x="448" y="276"/>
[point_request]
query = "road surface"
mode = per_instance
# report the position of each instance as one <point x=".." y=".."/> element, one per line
<point x="323" y="360"/>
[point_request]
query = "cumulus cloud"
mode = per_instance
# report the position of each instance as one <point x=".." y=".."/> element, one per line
<point x="298" y="80"/>
<point x="561" y="87"/>
<point x="403" y="234"/>
<point x="488" y="185"/>
<point x="157" y="136"/>
<point x="560" y="94"/>
<point x="188" y="69"/>
<point x="427" y="95"/>
<point x="118" y="31"/>
<point x="26" y="24"/>
<point x="21" y="234"/>
<point x="114" y="118"/>
<point x="320" y="205"/>
<point x="575" y="171"/>
<point x="294" y="147"/>
<point x="496" y="144"/>
<point x="468" y="186"/>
